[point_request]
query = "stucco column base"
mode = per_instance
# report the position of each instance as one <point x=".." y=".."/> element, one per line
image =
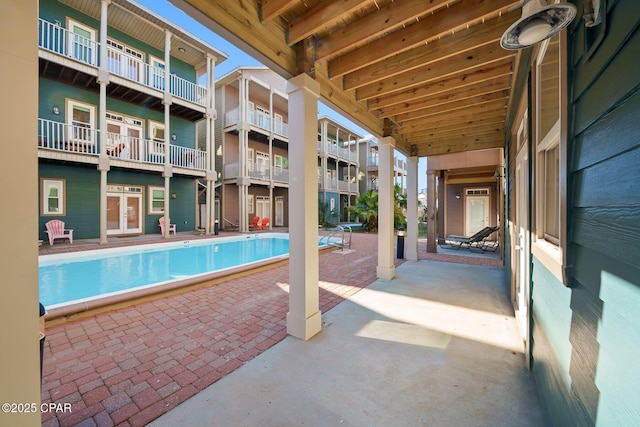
<point x="302" y="328"/>
<point x="386" y="273"/>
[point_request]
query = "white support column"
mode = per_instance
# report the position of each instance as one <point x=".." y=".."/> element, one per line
<point x="432" y="244"/>
<point x="103" y="160"/>
<point x="411" y="245"/>
<point x="304" y="319"/>
<point x="168" y="170"/>
<point x="243" y="180"/>
<point x="211" y="176"/>
<point x="386" y="267"/>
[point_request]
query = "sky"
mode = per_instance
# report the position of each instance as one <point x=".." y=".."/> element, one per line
<point x="237" y="58"/>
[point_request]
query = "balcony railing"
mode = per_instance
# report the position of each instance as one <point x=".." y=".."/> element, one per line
<point x="257" y="171"/>
<point x="62" y="137"/>
<point x="258" y="119"/>
<point x="54" y="38"/>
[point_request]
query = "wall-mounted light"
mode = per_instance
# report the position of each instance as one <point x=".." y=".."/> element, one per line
<point x="174" y="196"/>
<point x="457" y="195"/>
<point x="173" y="136"/>
<point x="498" y="173"/>
<point x="56" y="110"/>
<point x="539" y="22"/>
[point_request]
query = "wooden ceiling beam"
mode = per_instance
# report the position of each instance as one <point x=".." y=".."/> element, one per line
<point x="489" y="100"/>
<point x="459" y="80"/>
<point x="451" y="44"/>
<point x="453" y="111"/>
<point x="484" y="56"/>
<point x="434" y="148"/>
<point x="458" y="16"/>
<point x="497" y="85"/>
<point x="494" y="122"/>
<point x="375" y="25"/>
<point x="451" y="133"/>
<point x="270" y="9"/>
<point x="444" y="127"/>
<point x="321" y="18"/>
<point x="459" y="120"/>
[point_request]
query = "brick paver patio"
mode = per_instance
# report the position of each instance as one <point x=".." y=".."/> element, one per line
<point x="128" y="366"/>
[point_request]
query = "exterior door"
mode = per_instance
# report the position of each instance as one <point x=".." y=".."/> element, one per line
<point x="262" y="207"/>
<point x="279" y="220"/>
<point x="124" y="210"/>
<point x="521" y="246"/>
<point x="476" y="213"/>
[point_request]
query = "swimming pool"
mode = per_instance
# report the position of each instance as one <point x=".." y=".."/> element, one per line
<point x="83" y="280"/>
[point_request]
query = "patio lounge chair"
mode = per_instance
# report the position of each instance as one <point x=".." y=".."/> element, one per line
<point x="478" y="240"/>
<point x="56" y="230"/>
<point x="255" y="223"/>
<point x="264" y="223"/>
<point x="172" y="227"/>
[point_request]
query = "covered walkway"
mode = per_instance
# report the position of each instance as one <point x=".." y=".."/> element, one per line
<point x="436" y="346"/>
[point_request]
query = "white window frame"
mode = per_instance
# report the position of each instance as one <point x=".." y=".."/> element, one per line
<point x="551" y="250"/>
<point x="250" y="204"/>
<point x="152" y="210"/>
<point x="71" y="24"/>
<point x="156" y="79"/>
<point x="153" y="141"/>
<point x="46" y="185"/>
<point x="70" y="104"/>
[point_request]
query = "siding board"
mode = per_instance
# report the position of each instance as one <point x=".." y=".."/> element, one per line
<point x="612" y="135"/>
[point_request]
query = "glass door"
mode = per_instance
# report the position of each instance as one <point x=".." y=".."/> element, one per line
<point x="124" y="210"/>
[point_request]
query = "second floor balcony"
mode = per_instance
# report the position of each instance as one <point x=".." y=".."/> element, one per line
<point x="258" y="171"/>
<point x="74" y="50"/>
<point x="57" y="140"/>
<point x="258" y="119"/>
<point x="333" y="184"/>
<point x="339" y="152"/>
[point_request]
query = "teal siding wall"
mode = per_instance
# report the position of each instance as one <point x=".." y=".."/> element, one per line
<point x="52" y="11"/>
<point x="82" y="199"/>
<point x="586" y="338"/>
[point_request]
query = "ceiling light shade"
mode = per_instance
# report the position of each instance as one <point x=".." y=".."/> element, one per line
<point x="538" y="22"/>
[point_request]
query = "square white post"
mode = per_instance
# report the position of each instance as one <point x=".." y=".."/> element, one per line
<point x="304" y="319"/>
<point x="386" y="267"/>
<point x="412" y="209"/>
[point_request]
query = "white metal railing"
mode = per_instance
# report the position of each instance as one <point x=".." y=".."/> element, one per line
<point x="54" y="38"/>
<point x="332" y="149"/>
<point x="187" y="90"/>
<point x="280" y="174"/>
<point x="372" y="161"/>
<point x="257" y="171"/>
<point x="64" y="137"/>
<point x="257" y="118"/>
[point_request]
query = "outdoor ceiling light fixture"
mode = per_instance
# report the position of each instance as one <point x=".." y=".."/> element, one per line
<point x="538" y="22"/>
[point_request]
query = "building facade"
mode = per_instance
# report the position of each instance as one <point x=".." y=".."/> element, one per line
<point x="124" y="122"/>
<point x="338" y="170"/>
<point x="369" y="159"/>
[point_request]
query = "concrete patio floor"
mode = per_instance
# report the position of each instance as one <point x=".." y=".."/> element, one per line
<point x="437" y="345"/>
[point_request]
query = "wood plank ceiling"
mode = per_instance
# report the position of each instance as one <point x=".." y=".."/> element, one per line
<point x="430" y="73"/>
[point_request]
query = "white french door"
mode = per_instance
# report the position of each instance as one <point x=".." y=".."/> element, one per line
<point x="262" y="207"/>
<point x="476" y="211"/>
<point x="124" y="210"/>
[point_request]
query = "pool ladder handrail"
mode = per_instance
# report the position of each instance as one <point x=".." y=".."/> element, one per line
<point x="333" y="231"/>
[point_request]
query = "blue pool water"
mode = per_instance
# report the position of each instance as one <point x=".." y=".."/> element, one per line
<point x="69" y="278"/>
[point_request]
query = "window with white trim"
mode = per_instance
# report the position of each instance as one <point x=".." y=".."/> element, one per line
<point x="82" y="42"/>
<point x="53" y="197"/>
<point x="250" y="205"/>
<point x="81" y="121"/>
<point x="550" y="153"/>
<point x="156" y="200"/>
<point x="156" y="136"/>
